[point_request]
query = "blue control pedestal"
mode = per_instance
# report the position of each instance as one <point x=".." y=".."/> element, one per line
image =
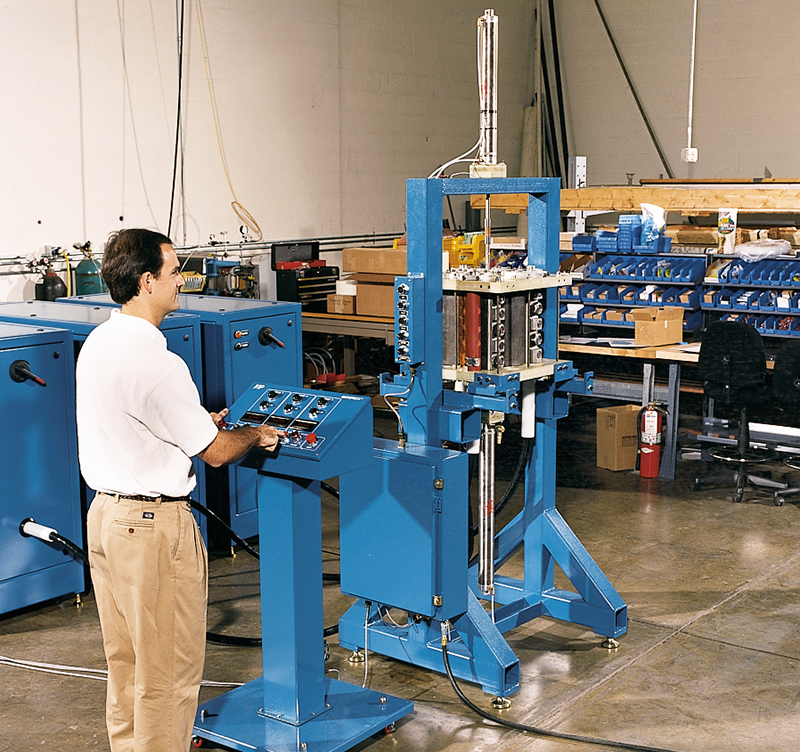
<point x="293" y="707"/>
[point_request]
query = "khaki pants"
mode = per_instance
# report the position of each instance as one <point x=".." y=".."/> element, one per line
<point x="150" y="574"/>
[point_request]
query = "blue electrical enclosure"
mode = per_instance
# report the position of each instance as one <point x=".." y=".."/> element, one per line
<point x="243" y="341"/>
<point x="410" y="499"/>
<point x="181" y="330"/>
<point x="39" y="456"/>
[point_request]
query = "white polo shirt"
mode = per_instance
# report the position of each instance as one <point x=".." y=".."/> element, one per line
<point x="140" y="420"/>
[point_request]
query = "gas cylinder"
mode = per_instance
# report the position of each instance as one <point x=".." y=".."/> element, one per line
<point x="87" y="274"/>
<point x="51" y="287"/>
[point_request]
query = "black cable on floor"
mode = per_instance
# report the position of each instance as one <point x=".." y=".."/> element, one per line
<point x="535" y="729"/>
<point x="253" y="642"/>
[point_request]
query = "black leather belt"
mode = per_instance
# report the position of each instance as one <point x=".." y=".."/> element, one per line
<point x="140" y="497"/>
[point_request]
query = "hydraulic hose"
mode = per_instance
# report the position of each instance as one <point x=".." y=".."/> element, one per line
<point x="513" y="484"/>
<point x="533" y="729"/>
<point x="330" y="577"/>
<point x="29" y="528"/>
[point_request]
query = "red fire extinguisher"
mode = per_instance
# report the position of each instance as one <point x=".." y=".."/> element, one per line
<point x="651" y="428"/>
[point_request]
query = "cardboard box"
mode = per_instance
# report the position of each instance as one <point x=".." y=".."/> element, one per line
<point x="658" y="326"/>
<point x="375" y="260"/>
<point x="375" y="295"/>
<point x="617" y="437"/>
<point x="342" y="304"/>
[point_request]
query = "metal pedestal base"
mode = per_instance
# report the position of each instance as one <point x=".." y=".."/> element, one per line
<point x="355" y="714"/>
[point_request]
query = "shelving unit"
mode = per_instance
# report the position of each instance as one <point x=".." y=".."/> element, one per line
<point x="619" y="282"/>
<point x="765" y="294"/>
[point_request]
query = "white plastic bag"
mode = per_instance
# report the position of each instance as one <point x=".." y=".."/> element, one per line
<point x="654" y="222"/>
<point x="761" y="249"/>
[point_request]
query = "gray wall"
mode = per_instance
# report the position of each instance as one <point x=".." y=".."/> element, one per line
<point x="325" y="108"/>
<point x="746" y="108"/>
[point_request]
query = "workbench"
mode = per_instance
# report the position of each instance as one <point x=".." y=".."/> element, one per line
<point x="349" y="327"/>
<point x="673" y="356"/>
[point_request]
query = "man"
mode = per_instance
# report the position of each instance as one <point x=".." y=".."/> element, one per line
<point x="140" y="422"/>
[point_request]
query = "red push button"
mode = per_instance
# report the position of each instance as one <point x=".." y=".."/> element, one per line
<point x="311" y="439"/>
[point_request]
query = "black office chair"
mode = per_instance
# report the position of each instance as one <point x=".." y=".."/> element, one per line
<point x="733" y="368"/>
<point x="786" y="388"/>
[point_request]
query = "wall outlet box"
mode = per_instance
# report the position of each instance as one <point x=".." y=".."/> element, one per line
<point x="689" y="154"/>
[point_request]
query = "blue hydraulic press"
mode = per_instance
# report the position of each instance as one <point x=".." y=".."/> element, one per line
<point x="490" y="334"/>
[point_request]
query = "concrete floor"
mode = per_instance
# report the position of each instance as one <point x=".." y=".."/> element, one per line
<point x="710" y="662"/>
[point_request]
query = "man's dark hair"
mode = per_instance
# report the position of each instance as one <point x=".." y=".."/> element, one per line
<point x="128" y="255"/>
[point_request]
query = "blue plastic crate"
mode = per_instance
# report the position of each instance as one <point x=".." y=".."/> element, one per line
<point x="584" y="243"/>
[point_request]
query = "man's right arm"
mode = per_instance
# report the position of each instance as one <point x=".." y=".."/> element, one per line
<point x="232" y="445"/>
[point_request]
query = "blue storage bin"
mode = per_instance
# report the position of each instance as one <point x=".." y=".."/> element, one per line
<point x="723" y="298"/>
<point x="687" y="297"/>
<point x="606" y="294"/>
<point x="691" y="270"/>
<point x="584" y="243"/>
<point x="765" y="324"/>
<point x="692" y="321"/>
<point x="587" y="292"/>
<point x="783" y="324"/>
<point x="630" y="231"/>
<point x="732" y="272"/>
<point x="740" y="299"/>
<point x="776" y="272"/>
<point x="574" y="316"/>
<point x="628" y="294"/>
<point x="660" y="245"/>
<point x="766" y="300"/>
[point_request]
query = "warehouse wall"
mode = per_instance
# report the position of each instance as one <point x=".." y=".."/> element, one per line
<point x="746" y="112"/>
<point x="324" y="108"/>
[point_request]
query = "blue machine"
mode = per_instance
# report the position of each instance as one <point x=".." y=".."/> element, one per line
<point x="491" y="334"/>
<point x="181" y="330"/>
<point x="39" y="477"/>
<point x="293" y="706"/>
<point x="242" y="341"/>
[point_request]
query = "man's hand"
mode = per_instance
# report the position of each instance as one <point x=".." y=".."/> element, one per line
<point x="219" y="418"/>
<point x="268" y="437"/>
<point x="232" y="445"/>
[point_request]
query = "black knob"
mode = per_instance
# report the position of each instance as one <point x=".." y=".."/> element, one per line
<point x="265" y="337"/>
<point x="20" y="371"/>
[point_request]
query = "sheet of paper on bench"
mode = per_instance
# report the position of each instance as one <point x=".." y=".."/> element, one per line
<point x="608" y="341"/>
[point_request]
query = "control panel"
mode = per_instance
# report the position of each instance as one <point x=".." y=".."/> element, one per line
<point x="407" y="339"/>
<point x="323" y="432"/>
